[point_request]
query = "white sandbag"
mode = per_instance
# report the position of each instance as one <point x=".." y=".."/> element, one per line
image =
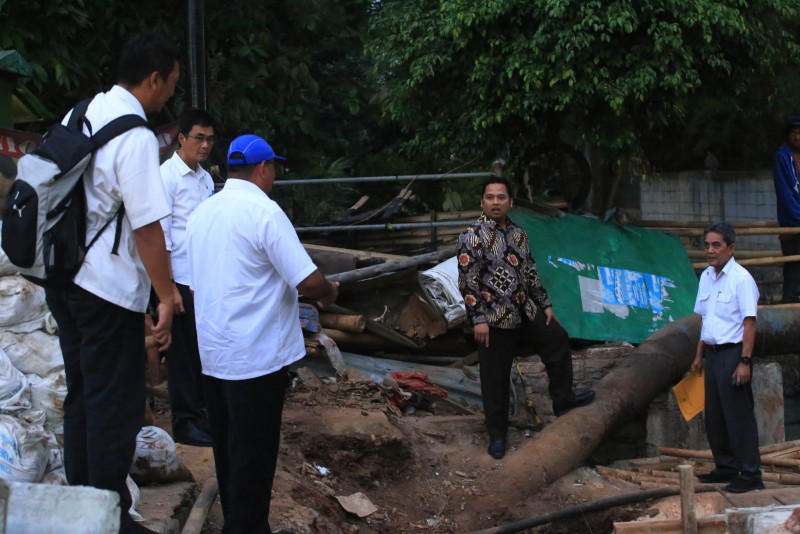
<point x="23" y="450"/>
<point x="156" y="458"/>
<point x="33" y="352"/>
<point x="133" y="489"/>
<point x="32" y="417"/>
<point x="48" y="394"/>
<point x="15" y="392"/>
<point x="441" y="291"/>
<point x="54" y="473"/>
<point x="50" y="325"/>
<point x="22" y="304"/>
<point x="56" y="477"/>
<point x="6" y="267"/>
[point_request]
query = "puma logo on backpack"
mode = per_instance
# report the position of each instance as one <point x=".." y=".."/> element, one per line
<point x="44" y="219"/>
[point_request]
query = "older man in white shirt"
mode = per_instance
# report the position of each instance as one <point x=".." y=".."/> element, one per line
<point x="727" y="300"/>
<point x="246" y="268"/>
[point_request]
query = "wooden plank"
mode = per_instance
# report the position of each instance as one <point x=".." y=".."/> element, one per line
<point x="688" y="512"/>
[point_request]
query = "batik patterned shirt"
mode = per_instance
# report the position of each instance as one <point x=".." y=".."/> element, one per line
<point x="497" y="274"/>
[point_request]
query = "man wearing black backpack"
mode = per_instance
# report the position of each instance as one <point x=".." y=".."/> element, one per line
<point x="100" y="315"/>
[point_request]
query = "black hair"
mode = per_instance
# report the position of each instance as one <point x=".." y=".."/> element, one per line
<point x="145" y="53"/>
<point x="494" y="179"/>
<point x="724" y="229"/>
<point x="195" y="117"/>
<point x="790" y="124"/>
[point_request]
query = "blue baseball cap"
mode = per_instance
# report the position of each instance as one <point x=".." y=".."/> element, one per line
<point x="250" y="150"/>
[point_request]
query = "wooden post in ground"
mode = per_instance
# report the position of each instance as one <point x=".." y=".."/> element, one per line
<point x="688" y="512"/>
<point x="197" y="517"/>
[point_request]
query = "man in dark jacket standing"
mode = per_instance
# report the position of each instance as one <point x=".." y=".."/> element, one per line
<point x="785" y="174"/>
<point x="507" y="306"/>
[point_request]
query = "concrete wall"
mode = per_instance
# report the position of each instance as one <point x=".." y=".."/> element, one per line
<point x="705" y="196"/>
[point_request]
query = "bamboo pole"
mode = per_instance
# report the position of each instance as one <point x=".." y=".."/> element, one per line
<point x="392" y="266"/>
<point x="783" y="445"/>
<point x="765" y="460"/>
<point x="740" y="254"/>
<point x="700" y="232"/>
<point x="197" y="517"/>
<point x="775" y="260"/>
<point x="702" y="224"/>
<point x="347" y="323"/>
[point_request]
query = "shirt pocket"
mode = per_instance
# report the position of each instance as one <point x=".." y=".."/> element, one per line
<point x="726" y="304"/>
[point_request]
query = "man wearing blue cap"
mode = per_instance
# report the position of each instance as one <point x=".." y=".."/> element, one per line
<point x="785" y="174"/>
<point x="246" y="268"/>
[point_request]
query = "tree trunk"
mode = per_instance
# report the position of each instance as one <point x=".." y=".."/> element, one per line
<point x="623" y="394"/>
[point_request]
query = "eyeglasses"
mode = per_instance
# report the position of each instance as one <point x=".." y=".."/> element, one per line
<point x="200" y="138"/>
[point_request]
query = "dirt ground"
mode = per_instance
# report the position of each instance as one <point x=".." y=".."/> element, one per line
<point x="421" y="473"/>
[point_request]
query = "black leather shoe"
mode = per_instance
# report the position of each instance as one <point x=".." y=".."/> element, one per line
<point x="745" y="484"/>
<point x="497" y="448"/>
<point x="189" y="433"/>
<point x="717" y="476"/>
<point x="578" y="399"/>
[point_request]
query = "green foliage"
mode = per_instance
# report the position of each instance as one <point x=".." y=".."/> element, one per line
<point x="475" y="76"/>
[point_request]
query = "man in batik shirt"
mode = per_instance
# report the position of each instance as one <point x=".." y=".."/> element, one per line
<point x="508" y="307"/>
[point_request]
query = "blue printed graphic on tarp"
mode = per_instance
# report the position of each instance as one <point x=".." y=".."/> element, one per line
<point x="632" y="288"/>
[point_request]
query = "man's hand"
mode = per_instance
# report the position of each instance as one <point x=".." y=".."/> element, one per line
<point x="176" y="296"/>
<point x="741" y="375"/>
<point x="330" y="297"/>
<point x="162" y="330"/>
<point x="697" y="363"/>
<point x="550" y="315"/>
<point x="482" y="334"/>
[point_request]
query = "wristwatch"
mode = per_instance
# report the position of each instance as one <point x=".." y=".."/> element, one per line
<point x="747" y="360"/>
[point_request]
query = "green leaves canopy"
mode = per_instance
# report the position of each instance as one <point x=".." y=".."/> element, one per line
<point x="478" y="75"/>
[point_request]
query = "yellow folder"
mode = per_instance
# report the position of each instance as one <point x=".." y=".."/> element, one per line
<point x="690" y="393"/>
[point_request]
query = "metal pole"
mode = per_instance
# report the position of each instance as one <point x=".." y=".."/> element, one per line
<point x="197" y="53"/>
<point x="388" y="226"/>
<point x="400" y="178"/>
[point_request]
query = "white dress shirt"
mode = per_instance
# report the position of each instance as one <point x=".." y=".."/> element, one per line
<point x="245" y="262"/>
<point x="185" y="190"/>
<point x="725" y="300"/>
<point x="124" y="170"/>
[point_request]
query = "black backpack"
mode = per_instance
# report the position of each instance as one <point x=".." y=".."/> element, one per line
<point x="44" y="219"/>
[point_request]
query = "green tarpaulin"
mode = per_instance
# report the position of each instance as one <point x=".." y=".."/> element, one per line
<point x="609" y="282"/>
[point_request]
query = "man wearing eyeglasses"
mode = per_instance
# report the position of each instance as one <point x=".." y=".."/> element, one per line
<point x="186" y="185"/>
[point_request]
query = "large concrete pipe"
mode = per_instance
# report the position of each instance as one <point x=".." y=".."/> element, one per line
<point x="622" y="395"/>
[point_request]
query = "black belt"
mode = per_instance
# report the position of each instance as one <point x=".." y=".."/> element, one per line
<point x="720" y="348"/>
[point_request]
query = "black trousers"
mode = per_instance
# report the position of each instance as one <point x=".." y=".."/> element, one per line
<point x="730" y="420"/>
<point x="551" y="342"/>
<point x="104" y="361"/>
<point x="245" y="419"/>
<point x="184" y="371"/>
<point x="790" y="246"/>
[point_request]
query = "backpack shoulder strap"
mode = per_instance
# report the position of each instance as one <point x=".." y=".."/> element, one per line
<point x="78" y="115"/>
<point x="118" y="126"/>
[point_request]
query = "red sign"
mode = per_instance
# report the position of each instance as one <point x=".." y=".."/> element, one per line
<point x="15" y="144"/>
